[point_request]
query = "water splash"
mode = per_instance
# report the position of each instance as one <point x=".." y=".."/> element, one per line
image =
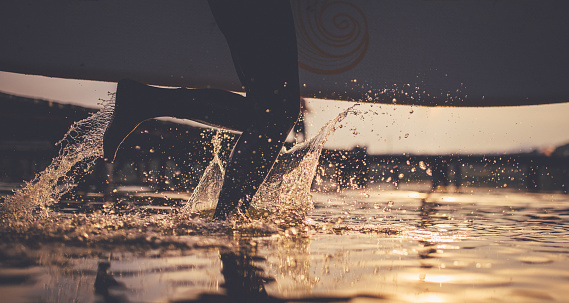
<point x="80" y="147"/>
<point x="206" y="193"/>
<point x="286" y="191"/>
<point x="284" y="196"/>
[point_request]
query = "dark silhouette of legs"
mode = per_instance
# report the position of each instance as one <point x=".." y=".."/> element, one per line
<point x="265" y="56"/>
<point x="136" y="102"/>
<point x="261" y="37"/>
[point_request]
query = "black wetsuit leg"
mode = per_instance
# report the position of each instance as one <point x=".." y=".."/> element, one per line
<point x="261" y="37"/>
<point x="262" y="40"/>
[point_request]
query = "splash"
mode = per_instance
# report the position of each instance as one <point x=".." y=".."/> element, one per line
<point x="80" y="147"/>
<point x="285" y="196"/>
<point x="286" y="191"/>
<point x="206" y="193"/>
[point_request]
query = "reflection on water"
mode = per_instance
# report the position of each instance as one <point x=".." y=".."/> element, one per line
<point x="105" y="284"/>
<point x="373" y="245"/>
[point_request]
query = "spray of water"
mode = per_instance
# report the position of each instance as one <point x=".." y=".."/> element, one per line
<point x="80" y="147"/>
<point x="286" y="191"/>
<point x="206" y="193"/>
<point x="285" y="196"/>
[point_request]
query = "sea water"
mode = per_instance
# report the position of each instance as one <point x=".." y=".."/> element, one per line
<point x="392" y="246"/>
<point x="355" y="245"/>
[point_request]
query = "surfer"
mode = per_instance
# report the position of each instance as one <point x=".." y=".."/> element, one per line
<point x="262" y="40"/>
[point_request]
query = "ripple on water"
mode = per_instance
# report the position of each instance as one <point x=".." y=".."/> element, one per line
<point x="535" y="259"/>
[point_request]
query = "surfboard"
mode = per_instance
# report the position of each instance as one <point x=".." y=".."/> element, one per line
<point x="418" y="52"/>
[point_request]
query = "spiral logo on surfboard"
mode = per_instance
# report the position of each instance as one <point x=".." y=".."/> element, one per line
<point x="332" y="35"/>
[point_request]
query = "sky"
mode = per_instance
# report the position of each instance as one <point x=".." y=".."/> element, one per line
<point x="383" y="129"/>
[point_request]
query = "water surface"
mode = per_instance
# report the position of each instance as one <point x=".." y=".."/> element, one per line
<point x="358" y="245"/>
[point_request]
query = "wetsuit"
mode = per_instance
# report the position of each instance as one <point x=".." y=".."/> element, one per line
<point x="262" y="40"/>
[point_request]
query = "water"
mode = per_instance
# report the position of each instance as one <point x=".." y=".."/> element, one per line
<point x="80" y="147"/>
<point x="361" y="245"/>
<point x="401" y="246"/>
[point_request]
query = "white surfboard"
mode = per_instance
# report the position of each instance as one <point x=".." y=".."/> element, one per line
<point x="422" y="52"/>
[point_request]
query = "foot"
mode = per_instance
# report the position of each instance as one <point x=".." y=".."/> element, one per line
<point x="128" y="114"/>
